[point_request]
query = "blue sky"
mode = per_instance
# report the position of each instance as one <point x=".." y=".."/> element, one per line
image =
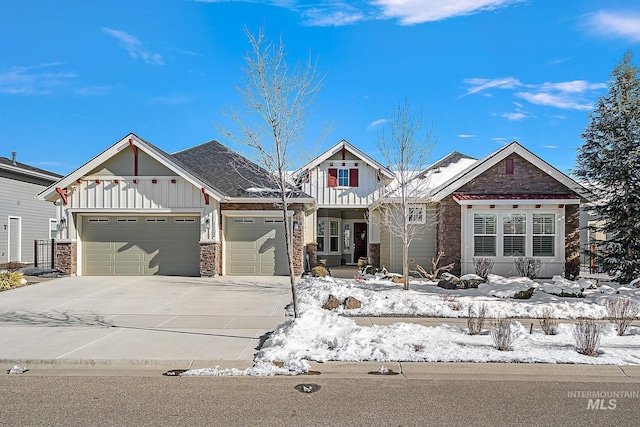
<point x="77" y="76"/>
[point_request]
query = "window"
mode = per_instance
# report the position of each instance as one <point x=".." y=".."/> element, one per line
<point x="544" y="232"/>
<point x="484" y="234"/>
<point x="342" y="177"/>
<point x="514" y="229"/>
<point x="416" y="215"/>
<point x="335" y="241"/>
<point x="509" y="166"/>
<point x="320" y="235"/>
<point x="53" y="228"/>
<point x="346" y="237"/>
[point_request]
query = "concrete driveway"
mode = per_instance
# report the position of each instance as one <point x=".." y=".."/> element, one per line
<point x="140" y="320"/>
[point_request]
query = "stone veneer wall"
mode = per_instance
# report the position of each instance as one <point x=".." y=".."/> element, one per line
<point x="312" y="252"/>
<point x="449" y="233"/>
<point x="298" y="235"/>
<point x="67" y="257"/>
<point x="374" y="254"/>
<point x="210" y="258"/>
<point x="571" y="235"/>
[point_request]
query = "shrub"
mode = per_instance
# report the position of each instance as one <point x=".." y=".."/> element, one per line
<point x="586" y="334"/>
<point x="622" y="311"/>
<point x="318" y="271"/>
<point x="501" y="334"/>
<point x="572" y="268"/>
<point x="483" y="267"/>
<point x="476" y="323"/>
<point x="10" y="279"/>
<point x="547" y="321"/>
<point x="524" y="294"/>
<point x="528" y="267"/>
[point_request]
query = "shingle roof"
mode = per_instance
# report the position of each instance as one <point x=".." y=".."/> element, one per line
<point x="226" y="171"/>
<point x="26" y="168"/>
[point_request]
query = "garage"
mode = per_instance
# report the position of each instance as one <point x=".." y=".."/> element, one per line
<point x="255" y="246"/>
<point x="140" y="245"/>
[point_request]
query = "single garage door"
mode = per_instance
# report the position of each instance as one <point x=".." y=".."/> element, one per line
<point x="255" y="247"/>
<point x="141" y="246"/>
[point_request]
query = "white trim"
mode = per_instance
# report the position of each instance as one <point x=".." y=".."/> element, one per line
<point x="355" y="151"/>
<point x="19" y="239"/>
<point x="27" y="172"/>
<point x="492" y="159"/>
<point x="485" y="202"/>
<point x="50" y="194"/>
<point x="236" y="213"/>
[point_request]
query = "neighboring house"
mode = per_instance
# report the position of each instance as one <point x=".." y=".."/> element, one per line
<point x="509" y="204"/>
<point x="23" y="219"/>
<point x="136" y="210"/>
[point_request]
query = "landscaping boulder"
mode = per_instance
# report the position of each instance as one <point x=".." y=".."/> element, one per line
<point x="350" y="303"/>
<point x="332" y="303"/>
<point x="524" y="294"/>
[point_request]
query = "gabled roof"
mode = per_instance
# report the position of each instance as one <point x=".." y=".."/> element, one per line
<point x="227" y="171"/>
<point x="497" y="156"/>
<point x="344" y="144"/>
<point x="24" y="169"/>
<point x="153" y="151"/>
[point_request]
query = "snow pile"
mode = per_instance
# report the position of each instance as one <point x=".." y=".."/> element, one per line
<point x="381" y="297"/>
<point x="562" y="286"/>
<point x="321" y="336"/>
<point x="505" y="287"/>
<point x="260" y="369"/>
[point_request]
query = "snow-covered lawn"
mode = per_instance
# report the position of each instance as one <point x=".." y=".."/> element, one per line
<point x="322" y="335"/>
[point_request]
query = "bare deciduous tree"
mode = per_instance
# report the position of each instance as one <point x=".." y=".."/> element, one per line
<point x="278" y="100"/>
<point x="403" y="210"/>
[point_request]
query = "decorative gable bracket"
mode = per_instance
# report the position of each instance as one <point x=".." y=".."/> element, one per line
<point x="63" y="195"/>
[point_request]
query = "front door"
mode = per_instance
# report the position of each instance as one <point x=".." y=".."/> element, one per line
<point x="360" y="240"/>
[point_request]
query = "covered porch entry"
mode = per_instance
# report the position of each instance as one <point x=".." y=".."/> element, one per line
<point x="342" y="236"/>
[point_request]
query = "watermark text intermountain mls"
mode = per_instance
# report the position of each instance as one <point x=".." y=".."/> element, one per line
<point x="603" y="400"/>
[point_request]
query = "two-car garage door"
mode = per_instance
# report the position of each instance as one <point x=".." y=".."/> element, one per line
<point x="255" y="247"/>
<point x="141" y="245"/>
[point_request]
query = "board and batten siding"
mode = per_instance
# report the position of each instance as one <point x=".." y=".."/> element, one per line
<point x="140" y="194"/>
<point x="421" y="249"/>
<point x="18" y="200"/>
<point x="369" y="187"/>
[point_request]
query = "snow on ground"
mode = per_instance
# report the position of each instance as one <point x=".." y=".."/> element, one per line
<point x="321" y="335"/>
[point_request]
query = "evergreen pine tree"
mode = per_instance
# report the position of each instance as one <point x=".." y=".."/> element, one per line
<point x="609" y="163"/>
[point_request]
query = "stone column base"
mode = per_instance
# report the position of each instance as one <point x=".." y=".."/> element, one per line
<point x="67" y="257"/>
<point x="374" y="254"/>
<point x="210" y="259"/>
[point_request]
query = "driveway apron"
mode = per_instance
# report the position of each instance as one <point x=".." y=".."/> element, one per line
<point x="145" y="319"/>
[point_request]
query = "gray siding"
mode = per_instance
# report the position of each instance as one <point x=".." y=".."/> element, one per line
<point x="122" y="164"/>
<point x="18" y="199"/>
<point x="421" y="250"/>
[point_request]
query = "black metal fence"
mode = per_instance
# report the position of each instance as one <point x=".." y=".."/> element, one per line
<point x="44" y="253"/>
<point x="589" y="259"/>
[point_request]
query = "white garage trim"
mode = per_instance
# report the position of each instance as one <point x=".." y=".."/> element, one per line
<point x="247" y="215"/>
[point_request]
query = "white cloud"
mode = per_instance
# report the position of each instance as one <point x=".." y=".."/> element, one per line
<point x="517" y="116"/>
<point x="376" y="123"/>
<point x="551" y="147"/>
<point x="617" y="24"/>
<point x="572" y="95"/>
<point x="411" y="12"/>
<point x="35" y="79"/>
<point x="332" y="15"/>
<point x="479" y="85"/>
<point x="559" y="100"/>
<point x="464" y="135"/>
<point x="134" y="47"/>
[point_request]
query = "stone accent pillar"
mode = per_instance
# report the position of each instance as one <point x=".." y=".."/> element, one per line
<point x="572" y="241"/>
<point x="449" y="234"/>
<point x="298" y="240"/>
<point x="67" y="257"/>
<point x="374" y="254"/>
<point x="210" y="259"/>
<point x="312" y="251"/>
